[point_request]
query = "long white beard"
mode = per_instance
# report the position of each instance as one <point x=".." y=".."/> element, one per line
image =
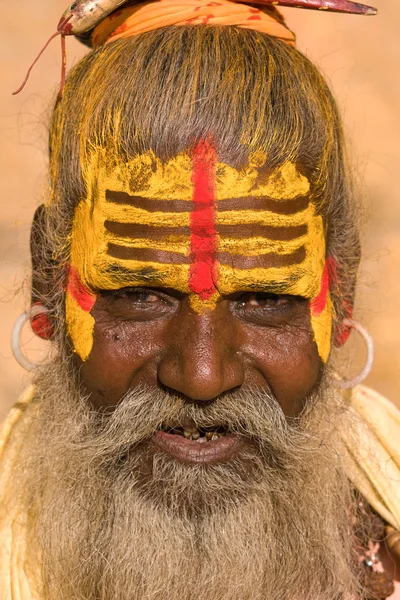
<point x="275" y="525"/>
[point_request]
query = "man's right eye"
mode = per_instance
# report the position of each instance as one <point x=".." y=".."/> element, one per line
<point x="138" y="296"/>
<point x="132" y="304"/>
<point x="134" y="295"/>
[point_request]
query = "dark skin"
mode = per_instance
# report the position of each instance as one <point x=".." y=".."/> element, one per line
<point x="153" y="337"/>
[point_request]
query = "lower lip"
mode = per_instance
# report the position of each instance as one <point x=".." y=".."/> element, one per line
<point x="188" y="451"/>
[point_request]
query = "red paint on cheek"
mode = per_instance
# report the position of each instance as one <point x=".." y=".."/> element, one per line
<point x="203" y="241"/>
<point x="79" y="292"/>
<point x="318" y="304"/>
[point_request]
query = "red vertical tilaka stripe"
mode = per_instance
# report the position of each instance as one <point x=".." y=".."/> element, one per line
<point x="203" y="271"/>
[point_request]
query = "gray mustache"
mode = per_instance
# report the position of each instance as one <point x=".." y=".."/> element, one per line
<point x="141" y="412"/>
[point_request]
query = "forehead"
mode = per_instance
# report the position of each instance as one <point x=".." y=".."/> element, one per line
<point x="193" y="221"/>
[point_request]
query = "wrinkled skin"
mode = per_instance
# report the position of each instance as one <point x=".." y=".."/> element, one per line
<point x="153" y="337"/>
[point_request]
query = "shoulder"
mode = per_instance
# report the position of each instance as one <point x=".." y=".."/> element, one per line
<point x="13" y="583"/>
<point x="370" y="402"/>
<point x="370" y="441"/>
<point x="12" y="424"/>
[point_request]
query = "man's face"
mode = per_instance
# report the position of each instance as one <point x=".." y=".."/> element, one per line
<point x="201" y="279"/>
<point x="198" y="308"/>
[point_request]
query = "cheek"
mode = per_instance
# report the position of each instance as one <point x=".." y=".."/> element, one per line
<point x="79" y="301"/>
<point x="287" y="360"/>
<point x="123" y="356"/>
<point x="80" y="327"/>
<point x="322" y="327"/>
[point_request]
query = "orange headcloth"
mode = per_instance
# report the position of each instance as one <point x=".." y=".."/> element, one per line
<point x="146" y="16"/>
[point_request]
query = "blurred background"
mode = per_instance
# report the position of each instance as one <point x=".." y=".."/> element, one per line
<point x="359" y="56"/>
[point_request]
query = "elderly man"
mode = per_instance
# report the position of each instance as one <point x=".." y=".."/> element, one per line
<point x="194" y="267"/>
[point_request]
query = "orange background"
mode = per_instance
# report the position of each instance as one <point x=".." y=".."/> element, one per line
<point x="360" y="57"/>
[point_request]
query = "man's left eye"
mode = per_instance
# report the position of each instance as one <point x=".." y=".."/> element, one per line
<point x="140" y="296"/>
<point x="264" y="300"/>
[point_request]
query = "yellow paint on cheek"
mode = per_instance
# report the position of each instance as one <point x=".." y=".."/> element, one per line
<point x="80" y="327"/>
<point x="322" y="328"/>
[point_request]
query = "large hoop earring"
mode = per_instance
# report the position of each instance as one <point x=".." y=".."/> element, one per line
<point x="36" y="310"/>
<point x="346" y="384"/>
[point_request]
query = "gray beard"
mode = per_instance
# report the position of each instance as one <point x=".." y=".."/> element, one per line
<point x="274" y="524"/>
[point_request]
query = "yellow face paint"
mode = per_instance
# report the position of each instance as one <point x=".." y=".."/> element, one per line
<point x="179" y="224"/>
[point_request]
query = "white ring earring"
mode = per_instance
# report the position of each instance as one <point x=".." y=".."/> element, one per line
<point x="16" y="336"/>
<point x="347" y="384"/>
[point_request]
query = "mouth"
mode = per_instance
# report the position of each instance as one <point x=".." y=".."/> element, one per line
<point x="193" y="445"/>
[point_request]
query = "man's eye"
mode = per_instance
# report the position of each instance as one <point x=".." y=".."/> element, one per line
<point x="264" y="300"/>
<point x="142" y="296"/>
<point x="135" y="295"/>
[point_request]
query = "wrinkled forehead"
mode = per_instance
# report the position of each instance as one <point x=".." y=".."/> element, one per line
<point x="198" y="225"/>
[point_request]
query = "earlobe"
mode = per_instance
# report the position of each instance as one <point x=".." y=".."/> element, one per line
<point x="342" y="335"/>
<point x="342" y="331"/>
<point x="40" y="322"/>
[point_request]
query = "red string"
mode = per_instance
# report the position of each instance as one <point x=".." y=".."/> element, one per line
<point x="35" y="61"/>
<point x="63" y="65"/>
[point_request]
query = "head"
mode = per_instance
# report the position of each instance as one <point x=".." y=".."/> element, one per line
<point x="197" y="256"/>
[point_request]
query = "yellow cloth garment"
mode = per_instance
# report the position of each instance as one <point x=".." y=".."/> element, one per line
<point x="370" y="444"/>
<point x="371" y="447"/>
<point x="14" y="584"/>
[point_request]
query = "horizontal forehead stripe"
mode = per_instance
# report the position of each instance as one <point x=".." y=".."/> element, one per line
<point x="262" y="231"/>
<point x="283" y="207"/>
<point x="147" y="255"/>
<point x="149" y="204"/>
<point x="265" y="261"/>
<point x="150" y="232"/>
<point x="123" y="213"/>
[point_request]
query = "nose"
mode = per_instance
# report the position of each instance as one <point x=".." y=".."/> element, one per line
<point x="202" y="361"/>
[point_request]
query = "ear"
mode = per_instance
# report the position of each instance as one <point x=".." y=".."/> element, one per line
<point x="42" y="276"/>
<point x="342" y="332"/>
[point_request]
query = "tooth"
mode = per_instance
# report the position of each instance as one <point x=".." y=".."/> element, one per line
<point x="214" y="437"/>
<point x="187" y="434"/>
<point x="195" y="435"/>
<point x="209" y="435"/>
